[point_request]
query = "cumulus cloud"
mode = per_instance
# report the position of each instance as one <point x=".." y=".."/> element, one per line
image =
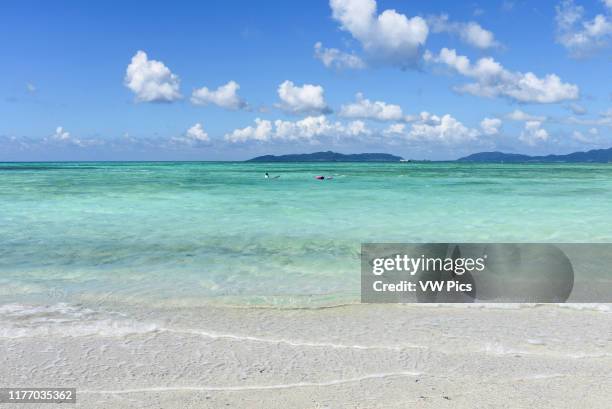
<point x="533" y="133"/>
<point x="355" y="128"/>
<point x="363" y="108"/>
<point x="262" y="131"/>
<point x="493" y="80"/>
<point x="61" y="134"/>
<point x="435" y="129"/>
<point x="197" y="133"/>
<point x="445" y="129"/>
<point x="151" y="80"/>
<point x="490" y="126"/>
<point x="470" y="33"/>
<point x="226" y="96"/>
<point x="307" y="98"/>
<point x="334" y="58"/>
<point x="389" y="37"/>
<point x="316" y="126"/>
<point x="307" y="129"/>
<point x="395" y="129"/>
<point x="580" y="36"/>
<point x="194" y="136"/>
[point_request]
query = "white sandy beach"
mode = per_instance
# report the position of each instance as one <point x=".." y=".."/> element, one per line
<point x="356" y="356"/>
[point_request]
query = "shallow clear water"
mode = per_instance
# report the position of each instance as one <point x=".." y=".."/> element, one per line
<point x="221" y="232"/>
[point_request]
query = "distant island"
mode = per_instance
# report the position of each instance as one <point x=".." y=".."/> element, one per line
<point x="328" y="156"/>
<point x="592" y="156"/>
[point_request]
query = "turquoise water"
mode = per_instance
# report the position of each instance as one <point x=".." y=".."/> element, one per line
<point x="221" y="232"/>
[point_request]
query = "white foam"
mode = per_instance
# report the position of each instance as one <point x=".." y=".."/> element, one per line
<point x="297" y="343"/>
<point x="332" y="382"/>
<point x="500" y="349"/>
<point x="587" y="307"/>
<point x="23" y="310"/>
<point x="596" y="307"/>
<point x="64" y="320"/>
<point x="539" y="376"/>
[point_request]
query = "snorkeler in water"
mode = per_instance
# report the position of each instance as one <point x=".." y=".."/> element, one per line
<point x="267" y="176"/>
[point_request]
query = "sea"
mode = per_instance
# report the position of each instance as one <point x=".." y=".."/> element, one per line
<point x="221" y="233"/>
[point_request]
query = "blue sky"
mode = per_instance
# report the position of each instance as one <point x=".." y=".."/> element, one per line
<point x="229" y="80"/>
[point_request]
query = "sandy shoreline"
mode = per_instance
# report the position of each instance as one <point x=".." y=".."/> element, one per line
<point x="360" y="356"/>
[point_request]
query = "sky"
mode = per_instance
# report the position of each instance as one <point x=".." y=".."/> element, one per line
<point x="230" y="80"/>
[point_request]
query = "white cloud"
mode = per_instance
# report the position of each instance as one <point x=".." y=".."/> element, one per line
<point x="445" y="129"/>
<point x="594" y="131"/>
<point x="431" y="128"/>
<point x="471" y="33"/>
<point x="518" y="115"/>
<point x="334" y="58"/>
<point x="533" y="133"/>
<point x="580" y="36"/>
<point x="226" y="96"/>
<point x="307" y="129"/>
<point x="608" y="3"/>
<point x="389" y="37"/>
<point x="61" y="134"/>
<point x="260" y="132"/>
<point x="304" y="99"/>
<point x="365" y="109"/>
<point x="60" y="138"/>
<point x="151" y="80"/>
<point x="31" y="88"/>
<point x="490" y="126"/>
<point x="197" y="133"/>
<point x="356" y="128"/>
<point x="395" y="129"/>
<point x="493" y="80"/>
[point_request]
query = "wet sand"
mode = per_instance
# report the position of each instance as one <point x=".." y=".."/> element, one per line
<point x="356" y="356"/>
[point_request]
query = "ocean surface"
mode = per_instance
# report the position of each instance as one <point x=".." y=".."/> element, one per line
<point x="202" y="233"/>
